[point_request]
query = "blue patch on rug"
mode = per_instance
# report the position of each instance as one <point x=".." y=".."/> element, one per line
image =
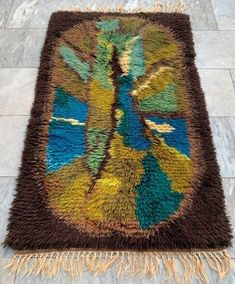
<point x="66" y="138"/>
<point x="178" y="138"/>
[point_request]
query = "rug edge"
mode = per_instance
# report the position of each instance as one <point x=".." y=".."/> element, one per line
<point x="202" y="97"/>
<point x="146" y="264"/>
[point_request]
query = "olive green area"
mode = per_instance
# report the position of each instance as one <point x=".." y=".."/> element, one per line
<point x="96" y="142"/>
<point x="165" y="101"/>
<point x="102" y="69"/>
<point x="131" y="25"/>
<point x="158" y="45"/>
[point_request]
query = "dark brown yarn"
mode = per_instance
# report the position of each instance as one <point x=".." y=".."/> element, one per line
<point x="32" y="225"/>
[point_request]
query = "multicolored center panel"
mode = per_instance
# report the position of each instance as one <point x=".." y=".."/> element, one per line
<point x="118" y="156"/>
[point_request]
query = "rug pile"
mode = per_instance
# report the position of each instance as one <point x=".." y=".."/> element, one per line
<point x="118" y="167"/>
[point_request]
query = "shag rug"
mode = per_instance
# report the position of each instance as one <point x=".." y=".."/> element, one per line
<point x="119" y="167"/>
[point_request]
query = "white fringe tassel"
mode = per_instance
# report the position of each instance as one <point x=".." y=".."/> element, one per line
<point x="165" y="7"/>
<point x="180" y="267"/>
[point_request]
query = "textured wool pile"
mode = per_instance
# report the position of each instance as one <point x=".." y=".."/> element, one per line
<point x="118" y="167"/>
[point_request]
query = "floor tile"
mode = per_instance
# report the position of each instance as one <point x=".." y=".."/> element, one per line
<point x="7" y="189"/>
<point x="223" y="129"/>
<point x="36" y="13"/>
<point x="21" y="47"/>
<point x="91" y="4"/>
<point x="214" y="49"/>
<point x="17" y="90"/>
<point x="219" y="91"/>
<point x="201" y="15"/>
<point x="12" y="134"/>
<point x="225" y="14"/>
<point x="200" y="11"/>
<point x="229" y="191"/>
<point x="233" y="76"/>
<point x="30" y="13"/>
<point x="5" y="7"/>
<point x="5" y="277"/>
<point x="38" y="279"/>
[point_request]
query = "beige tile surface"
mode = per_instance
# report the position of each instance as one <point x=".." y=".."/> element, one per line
<point x="7" y="189"/>
<point x="36" y="13"/>
<point x="17" y="90"/>
<point x="21" y="47"/>
<point x="200" y="11"/>
<point x="201" y="15"/>
<point x="5" y="7"/>
<point x="12" y="134"/>
<point x="5" y="277"/>
<point x="225" y="14"/>
<point x="219" y="91"/>
<point x="24" y="13"/>
<point x="215" y="49"/>
<point x="229" y="191"/>
<point x="223" y="129"/>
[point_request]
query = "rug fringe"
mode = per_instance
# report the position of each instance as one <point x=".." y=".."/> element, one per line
<point x="180" y="267"/>
<point x="159" y="6"/>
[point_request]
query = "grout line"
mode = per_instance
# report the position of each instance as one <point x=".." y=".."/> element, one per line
<point x="8" y="176"/>
<point x="23" y="28"/>
<point x="213" y="30"/>
<point x="213" y="10"/>
<point x="15" y="115"/>
<point x="222" y="116"/>
<point x="212" y="68"/>
<point x="18" y="67"/>
<point x="232" y="79"/>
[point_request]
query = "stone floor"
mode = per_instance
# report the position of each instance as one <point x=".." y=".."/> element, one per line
<point x="22" y="30"/>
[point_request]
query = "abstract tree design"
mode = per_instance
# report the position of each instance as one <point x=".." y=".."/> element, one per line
<point x="118" y="148"/>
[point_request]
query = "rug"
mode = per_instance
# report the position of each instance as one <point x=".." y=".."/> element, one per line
<point x="118" y="167"/>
